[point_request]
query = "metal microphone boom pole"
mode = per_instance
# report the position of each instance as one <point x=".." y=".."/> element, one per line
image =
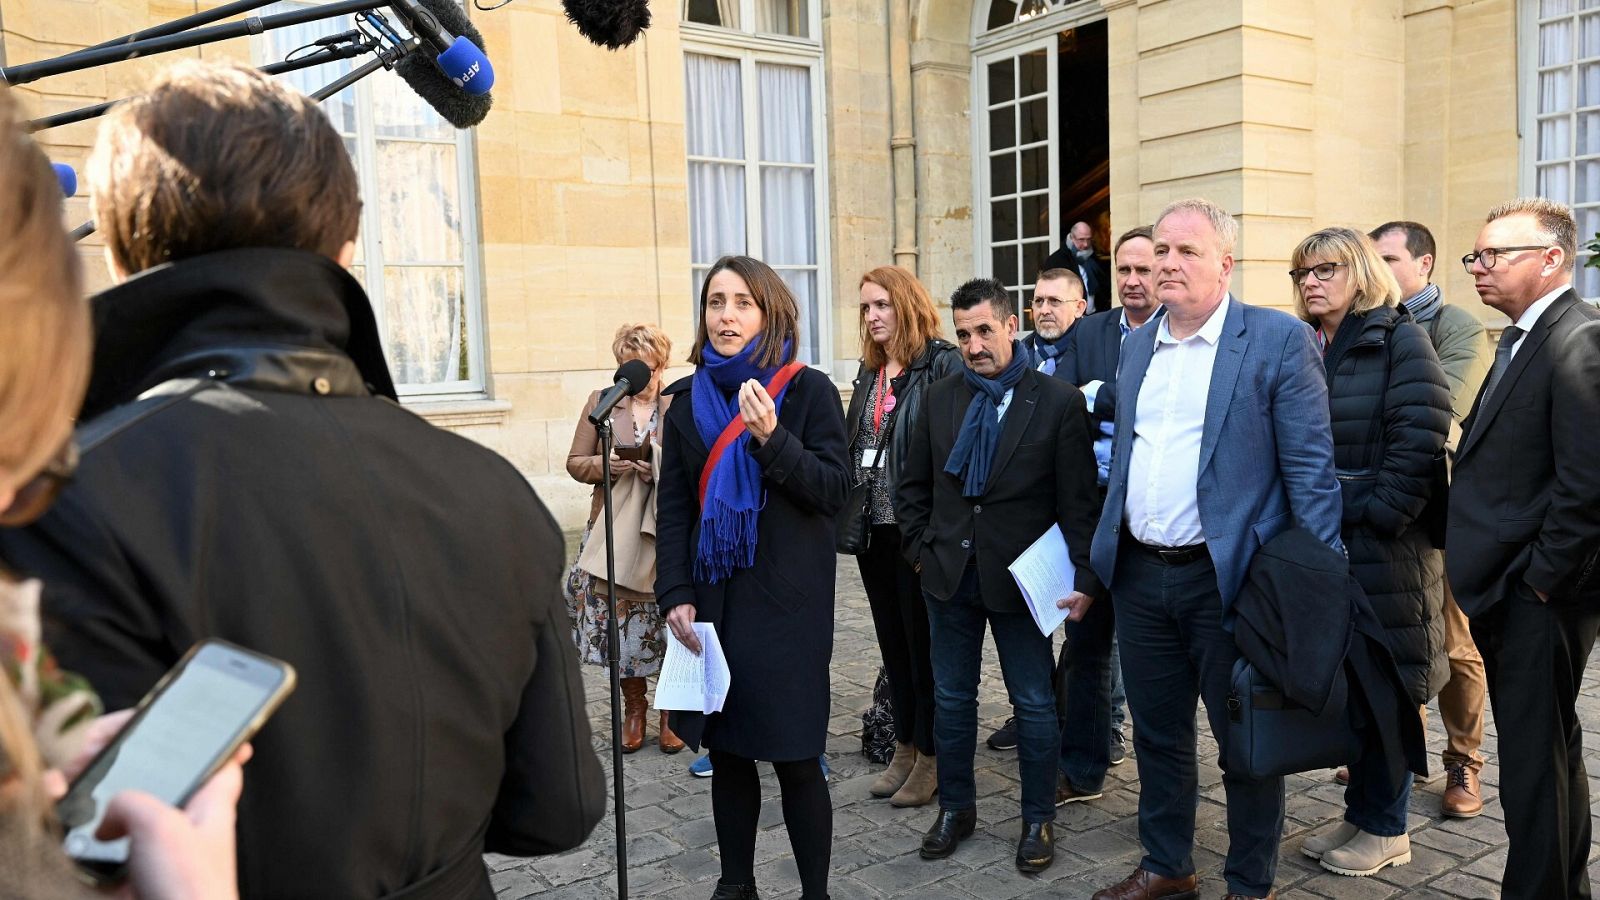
<point x="614" y="662"/>
<point x="88" y="59"/>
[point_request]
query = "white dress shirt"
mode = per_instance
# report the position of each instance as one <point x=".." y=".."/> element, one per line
<point x="1163" y="506"/>
<point x="1530" y="316"/>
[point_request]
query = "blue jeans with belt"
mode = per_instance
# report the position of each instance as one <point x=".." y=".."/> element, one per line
<point x="956" y="630"/>
<point x="1173" y="614"/>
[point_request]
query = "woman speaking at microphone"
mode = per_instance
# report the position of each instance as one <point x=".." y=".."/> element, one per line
<point x="753" y="471"/>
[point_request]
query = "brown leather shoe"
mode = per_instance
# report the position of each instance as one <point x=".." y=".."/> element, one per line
<point x="669" y="740"/>
<point x="1463" y="796"/>
<point x="1143" y="885"/>
<point x="1343" y="775"/>
<point x="633" y="707"/>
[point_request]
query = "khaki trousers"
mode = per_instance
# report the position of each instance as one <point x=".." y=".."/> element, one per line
<point x="1462" y="699"/>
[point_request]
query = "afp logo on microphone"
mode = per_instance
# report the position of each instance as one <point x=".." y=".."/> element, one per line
<point x="471" y="73"/>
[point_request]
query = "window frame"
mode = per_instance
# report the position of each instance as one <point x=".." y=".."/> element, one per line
<point x="1528" y="22"/>
<point x="750" y="50"/>
<point x="700" y="31"/>
<point x="370" y="237"/>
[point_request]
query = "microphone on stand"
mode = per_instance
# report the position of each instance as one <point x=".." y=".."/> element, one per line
<point x="631" y="378"/>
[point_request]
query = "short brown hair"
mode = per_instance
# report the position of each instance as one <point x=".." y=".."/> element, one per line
<point x="44" y="317"/>
<point x="644" y="342"/>
<point x="774" y="300"/>
<point x="1143" y="231"/>
<point x="1371" y="277"/>
<point x="1067" y="275"/>
<point x="216" y="156"/>
<point x="1555" y="219"/>
<point x="916" y="321"/>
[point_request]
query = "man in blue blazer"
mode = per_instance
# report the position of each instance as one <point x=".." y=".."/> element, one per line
<point x="1222" y="442"/>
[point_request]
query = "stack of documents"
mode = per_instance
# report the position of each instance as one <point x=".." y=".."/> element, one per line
<point x="1045" y="574"/>
<point x="690" y="682"/>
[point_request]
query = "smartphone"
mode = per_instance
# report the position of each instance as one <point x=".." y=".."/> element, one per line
<point x="184" y="730"/>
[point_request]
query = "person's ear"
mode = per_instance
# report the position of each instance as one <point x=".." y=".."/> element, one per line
<point x="1426" y="262"/>
<point x="347" y="255"/>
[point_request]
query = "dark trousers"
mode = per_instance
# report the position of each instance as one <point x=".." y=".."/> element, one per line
<point x="1534" y="655"/>
<point x="900" y="616"/>
<point x="1170" y="618"/>
<point x="1083" y="698"/>
<point x="1371" y="802"/>
<point x="956" y="628"/>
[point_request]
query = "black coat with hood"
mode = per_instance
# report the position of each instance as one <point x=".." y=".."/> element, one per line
<point x="1390" y="407"/>
<point x="247" y="474"/>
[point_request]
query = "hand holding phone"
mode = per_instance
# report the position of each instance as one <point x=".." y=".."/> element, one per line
<point x="189" y="727"/>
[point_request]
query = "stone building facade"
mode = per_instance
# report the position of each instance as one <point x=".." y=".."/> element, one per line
<point x="955" y="137"/>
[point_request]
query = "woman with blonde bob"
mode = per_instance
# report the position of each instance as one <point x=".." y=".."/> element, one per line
<point x="47" y="718"/>
<point x="636" y="424"/>
<point x="902" y="352"/>
<point x="1390" y="406"/>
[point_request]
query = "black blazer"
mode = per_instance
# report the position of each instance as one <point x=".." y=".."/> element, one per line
<point x="1093" y="349"/>
<point x="1044" y="473"/>
<point x="1525" y="497"/>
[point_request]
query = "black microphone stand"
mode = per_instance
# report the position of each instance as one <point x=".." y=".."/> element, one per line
<point x="614" y="662"/>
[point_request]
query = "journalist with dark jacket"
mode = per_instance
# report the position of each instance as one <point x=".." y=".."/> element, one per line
<point x="247" y="474"/>
<point x="1524" y="536"/>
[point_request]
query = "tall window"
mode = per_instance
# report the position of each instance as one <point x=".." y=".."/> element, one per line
<point x="417" y="252"/>
<point x="1561" y="113"/>
<point x="756" y="183"/>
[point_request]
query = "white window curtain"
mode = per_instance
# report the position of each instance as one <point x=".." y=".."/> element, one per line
<point x="788" y="190"/>
<point x="410" y="254"/>
<point x="1567" y="133"/>
<point x="715" y="138"/>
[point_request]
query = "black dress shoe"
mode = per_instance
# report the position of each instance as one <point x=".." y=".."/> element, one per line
<point x="951" y="828"/>
<point x="735" y="892"/>
<point x="1037" y="849"/>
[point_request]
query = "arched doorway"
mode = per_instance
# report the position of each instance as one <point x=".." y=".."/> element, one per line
<point x="1041" y="157"/>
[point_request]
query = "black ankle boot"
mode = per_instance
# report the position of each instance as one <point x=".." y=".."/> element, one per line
<point x="735" y="892"/>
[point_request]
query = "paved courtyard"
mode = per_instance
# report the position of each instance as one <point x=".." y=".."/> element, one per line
<point x="672" y="845"/>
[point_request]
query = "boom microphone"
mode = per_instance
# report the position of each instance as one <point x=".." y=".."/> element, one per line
<point x="630" y="379"/>
<point x="455" y="77"/>
<point x="612" y="24"/>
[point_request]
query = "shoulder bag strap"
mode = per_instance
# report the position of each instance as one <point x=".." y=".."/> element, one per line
<point x="736" y="427"/>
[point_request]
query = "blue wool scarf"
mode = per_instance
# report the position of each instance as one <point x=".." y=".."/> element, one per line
<point x="973" y="453"/>
<point x="734" y="496"/>
<point x="1047" y="352"/>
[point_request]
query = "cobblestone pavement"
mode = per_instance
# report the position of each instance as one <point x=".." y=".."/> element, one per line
<point x="672" y="845"/>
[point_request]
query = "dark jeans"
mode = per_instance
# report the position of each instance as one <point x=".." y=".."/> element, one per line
<point x="900" y="616"/>
<point x="1534" y="655"/>
<point x="956" y="627"/>
<point x="1371" y="803"/>
<point x="1171" y="619"/>
<point x="1084" y="698"/>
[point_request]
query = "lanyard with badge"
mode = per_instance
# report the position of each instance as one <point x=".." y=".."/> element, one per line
<point x="876" y="456"/>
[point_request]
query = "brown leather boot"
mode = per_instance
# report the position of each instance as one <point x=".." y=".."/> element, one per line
<point x="669" y="742"/>
<point x="1463" y="796"/>
<point x="633" y="707"/>
<point x="1146" y="885"/>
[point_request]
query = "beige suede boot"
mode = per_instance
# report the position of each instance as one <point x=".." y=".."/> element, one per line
<point x="1366" y="854"/>
<point x="905" y="756"/>
<point x="921" y="785"/>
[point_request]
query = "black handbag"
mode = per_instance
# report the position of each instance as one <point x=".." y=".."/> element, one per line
<point x="1270" y="735"/>
<point x="852" y="526"/>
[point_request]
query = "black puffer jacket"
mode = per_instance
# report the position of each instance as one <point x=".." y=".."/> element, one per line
<point x="938" y="359"/>
<point x="1390" y="406"/>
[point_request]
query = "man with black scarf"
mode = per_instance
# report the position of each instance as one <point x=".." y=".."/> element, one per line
<point x="247" y="474"/>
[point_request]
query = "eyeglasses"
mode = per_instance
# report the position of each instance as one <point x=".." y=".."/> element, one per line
<point x="1323" y="271"/>
<point x="1491" y="255"/>
<point x="34" y="498"/>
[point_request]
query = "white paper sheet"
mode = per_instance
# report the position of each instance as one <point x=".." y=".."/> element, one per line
<point x="690" y="682"/>
<point x="1045" y="574"/>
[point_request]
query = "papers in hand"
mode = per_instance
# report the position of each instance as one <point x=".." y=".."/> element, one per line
<point x="690" y="682"/>
<point x="1045" y="574"/>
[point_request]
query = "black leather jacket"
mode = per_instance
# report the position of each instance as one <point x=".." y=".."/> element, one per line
<point x="937" y="360"/>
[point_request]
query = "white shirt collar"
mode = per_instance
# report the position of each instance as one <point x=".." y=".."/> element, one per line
<point x="1530" y="316"/>
<point x="1210" y="332"/>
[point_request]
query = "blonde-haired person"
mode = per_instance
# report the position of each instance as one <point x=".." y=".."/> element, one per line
<point x="636" y="428"/>
<point x="1389" y="404"/>
<point x="902" y="352"/>
<point x="47" y="723"/>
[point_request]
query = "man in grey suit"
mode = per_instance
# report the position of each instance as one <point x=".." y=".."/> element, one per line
<point x="1222" y="442"/>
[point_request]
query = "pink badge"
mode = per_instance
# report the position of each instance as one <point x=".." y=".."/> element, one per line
<point x="888" y="403"/>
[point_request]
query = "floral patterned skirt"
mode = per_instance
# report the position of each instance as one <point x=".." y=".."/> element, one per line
<point x="641" y="630"/>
